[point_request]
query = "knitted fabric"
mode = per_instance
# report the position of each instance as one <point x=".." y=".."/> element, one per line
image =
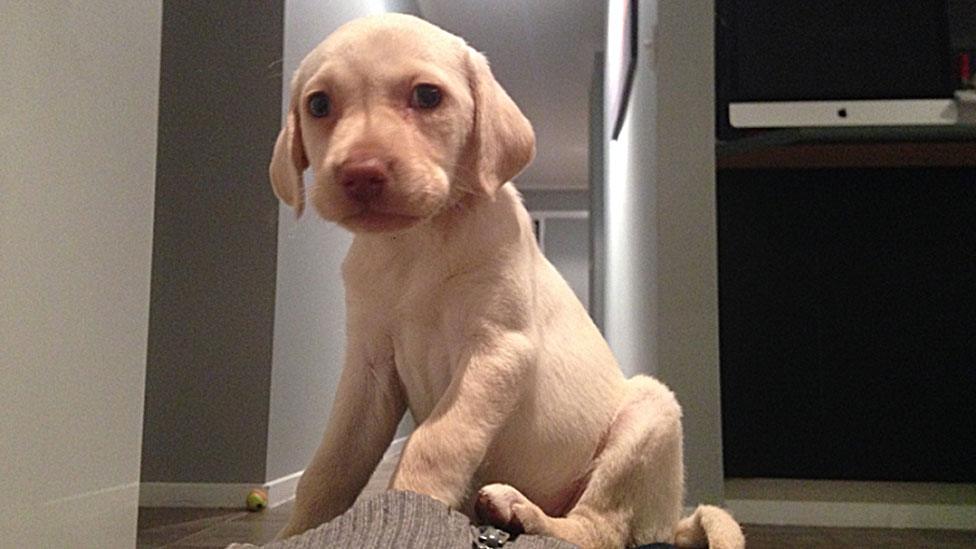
<point x="401" y="520"/>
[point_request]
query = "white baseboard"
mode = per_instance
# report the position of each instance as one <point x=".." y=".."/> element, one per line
<point x="282" y="490"/>
<point x="194" y="494"/>
<point x="852" y="504"/>
<point x="396" y="448"/>
<point x="222" y="495"/>
<point x="228" y="495"/>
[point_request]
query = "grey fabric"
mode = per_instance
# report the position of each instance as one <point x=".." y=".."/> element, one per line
<point x="402" y="520"/>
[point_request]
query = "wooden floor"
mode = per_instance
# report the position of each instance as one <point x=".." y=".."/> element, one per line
<point x="161" y="527"/>
<point x="211" y="528"/>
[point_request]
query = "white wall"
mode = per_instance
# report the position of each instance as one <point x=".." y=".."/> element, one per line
<point x="661" y="274"/>
<point x="78" y="103"/>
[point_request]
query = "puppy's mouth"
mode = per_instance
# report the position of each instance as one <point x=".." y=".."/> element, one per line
<point x="370" y="220"/>
<point x="395" y="205"/>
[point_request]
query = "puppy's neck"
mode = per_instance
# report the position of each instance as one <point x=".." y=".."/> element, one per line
<point x="477" y="226"/>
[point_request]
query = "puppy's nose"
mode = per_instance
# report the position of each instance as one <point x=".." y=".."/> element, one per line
<point x="363" y="179"/>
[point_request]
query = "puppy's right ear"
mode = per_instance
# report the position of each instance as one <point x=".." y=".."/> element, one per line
<point x="288" y="163"/>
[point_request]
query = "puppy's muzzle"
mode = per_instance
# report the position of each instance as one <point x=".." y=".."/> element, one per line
<point x="363" y="178"/>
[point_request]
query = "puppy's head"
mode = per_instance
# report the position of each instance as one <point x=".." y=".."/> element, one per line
<point x="398" y="120"/>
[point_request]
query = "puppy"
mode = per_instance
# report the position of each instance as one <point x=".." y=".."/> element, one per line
<point x="523" y="416"/>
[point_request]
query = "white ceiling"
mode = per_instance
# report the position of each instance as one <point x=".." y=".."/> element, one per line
<point x="542" y="52"/>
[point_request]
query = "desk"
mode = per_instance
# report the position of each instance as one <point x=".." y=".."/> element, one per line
<point x="882" y="147"/>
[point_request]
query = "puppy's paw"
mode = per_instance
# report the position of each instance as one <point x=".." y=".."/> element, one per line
<point x="505" y="507"/>
<point x="496" y="506"/>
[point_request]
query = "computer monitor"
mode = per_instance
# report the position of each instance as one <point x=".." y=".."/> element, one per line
<point x="837" y="62"/>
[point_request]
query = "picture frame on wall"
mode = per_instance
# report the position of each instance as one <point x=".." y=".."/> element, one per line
<point x="621" y="60"/>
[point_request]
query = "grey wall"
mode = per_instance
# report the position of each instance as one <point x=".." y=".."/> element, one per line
<point x="309" y="327"/>
<point x="553" y="200"/>
<point x="214" y="244"/>
<point x="566" y="238"/>
<point x="566" y="244"/>
<point x="661" y="275"/>
<point x="597" y="206"/>
<point x="78" y="97"/>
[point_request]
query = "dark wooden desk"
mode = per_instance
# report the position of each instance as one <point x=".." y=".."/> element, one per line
<point x="891" y="147"/>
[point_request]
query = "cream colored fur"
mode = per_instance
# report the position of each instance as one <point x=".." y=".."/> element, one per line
<point x="523" y="416"/>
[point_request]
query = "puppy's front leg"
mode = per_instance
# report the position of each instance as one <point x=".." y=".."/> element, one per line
<point x="444" y="451"/>
<point x="369" y="404"/>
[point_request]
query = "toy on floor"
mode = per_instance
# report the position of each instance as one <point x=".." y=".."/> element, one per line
<point x="257" y="500"/>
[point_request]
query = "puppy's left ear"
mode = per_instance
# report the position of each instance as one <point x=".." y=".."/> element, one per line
<point x="502" y="142"/>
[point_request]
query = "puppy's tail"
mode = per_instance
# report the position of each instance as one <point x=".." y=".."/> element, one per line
<point x="710" y="527"/>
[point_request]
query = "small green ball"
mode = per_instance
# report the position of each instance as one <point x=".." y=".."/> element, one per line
<point x="257" y="500"/>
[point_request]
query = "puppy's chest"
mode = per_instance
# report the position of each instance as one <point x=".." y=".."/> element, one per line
<point x="407" y="311"/>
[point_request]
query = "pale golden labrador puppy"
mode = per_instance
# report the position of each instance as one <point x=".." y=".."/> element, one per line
<point x="523" y="416"/>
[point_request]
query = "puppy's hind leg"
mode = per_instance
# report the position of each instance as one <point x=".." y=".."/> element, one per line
<point x="635" y="491"/>
<point x="711" y="527"/>
<point x="641" y="471"/>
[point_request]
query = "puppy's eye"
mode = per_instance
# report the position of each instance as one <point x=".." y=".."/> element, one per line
<point x="319" y="105"/>
<point x="425" y="96"/>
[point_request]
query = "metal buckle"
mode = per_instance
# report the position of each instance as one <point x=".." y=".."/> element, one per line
<point x="490" y="537"/>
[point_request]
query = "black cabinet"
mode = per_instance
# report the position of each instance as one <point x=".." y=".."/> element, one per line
<point x="848" y="322"/>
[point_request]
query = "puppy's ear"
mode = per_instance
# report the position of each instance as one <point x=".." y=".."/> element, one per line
<point x="288" y="163"/>
<point x="502" y="141"/>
